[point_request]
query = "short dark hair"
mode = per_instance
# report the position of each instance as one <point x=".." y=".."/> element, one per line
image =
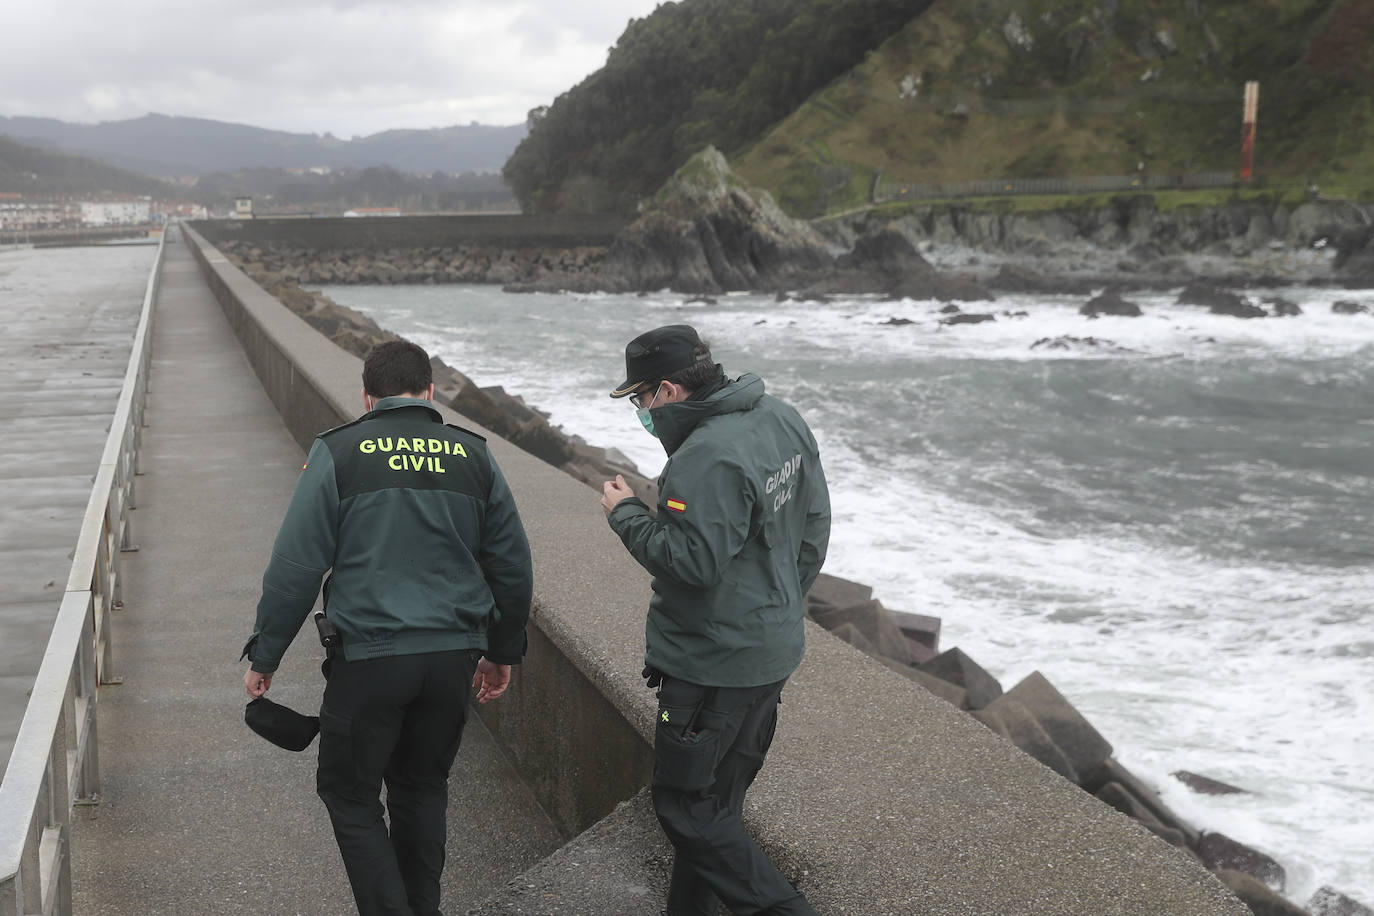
<point x="701" y="373"/>
<point x="396" y="367"/>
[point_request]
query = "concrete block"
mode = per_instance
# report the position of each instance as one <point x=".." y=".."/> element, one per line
<point x="954" y="666"/>
<point x="873" y="621"/>
<point x="1018" y="725"/>
<point x="942" y="689"/>
<point x="832" y="591"/>
<point x="1125" y="801"/>
<point x="1258" y="896"/>
<point x="1111" y="771"/>
<point x="920" y="627"/>
<point x="1075" y="736"/>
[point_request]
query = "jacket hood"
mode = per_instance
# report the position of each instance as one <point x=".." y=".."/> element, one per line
<point x="675" y="422"/>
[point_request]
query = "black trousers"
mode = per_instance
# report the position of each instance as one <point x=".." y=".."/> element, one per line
<point x="709" y="745"/>
<point x="399" y="720"/>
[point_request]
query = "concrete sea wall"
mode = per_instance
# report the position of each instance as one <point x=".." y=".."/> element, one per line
<point x="878" y="797"/>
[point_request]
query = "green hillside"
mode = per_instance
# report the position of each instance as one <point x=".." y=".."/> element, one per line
<point x="1067" y="88"/>
<point x="30" y="170"/>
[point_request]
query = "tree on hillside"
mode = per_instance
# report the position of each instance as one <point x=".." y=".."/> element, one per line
<point x="692" y="73"/>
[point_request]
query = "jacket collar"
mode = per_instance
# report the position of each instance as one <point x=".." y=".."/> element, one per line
<point x="675" y="422"/>
<point x="394" y="403"/>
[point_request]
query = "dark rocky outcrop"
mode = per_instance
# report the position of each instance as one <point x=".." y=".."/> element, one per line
<point x="1110" y="302"/>
<point x="885" y="263"/>
<point x="1348" y="307"/>
<point x="1219" y="301"/>
<point x="1017" y="278"/>
<point x="1205" y="784"/>
<point x="1281" y="307"/>
<point x="968" y="318"/>
<point x="1218" y="851"/>
<point x="1069" y="342"/>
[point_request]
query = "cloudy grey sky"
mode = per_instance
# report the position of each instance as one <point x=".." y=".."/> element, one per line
<point x="350" y="67"/>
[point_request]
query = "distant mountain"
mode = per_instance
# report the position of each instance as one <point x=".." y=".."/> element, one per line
<point x="166" y="146"/>
<point x="29" y="170"/>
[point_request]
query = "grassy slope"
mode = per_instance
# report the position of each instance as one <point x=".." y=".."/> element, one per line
<point x="1075" y="104"/>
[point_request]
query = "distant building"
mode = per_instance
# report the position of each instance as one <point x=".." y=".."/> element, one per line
<point x="373" y="211"/>
<point x="165" y="210"/>
<point x="116" y="212"/>
<point x="243" y="208"/>
<point x="18" y="212"/>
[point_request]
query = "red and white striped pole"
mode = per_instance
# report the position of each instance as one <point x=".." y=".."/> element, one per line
<point x="1247" y="131"/>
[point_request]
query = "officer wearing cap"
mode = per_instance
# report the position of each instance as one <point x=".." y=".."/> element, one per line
<point x="739" y="535"/>
<point x="429" y="592"/>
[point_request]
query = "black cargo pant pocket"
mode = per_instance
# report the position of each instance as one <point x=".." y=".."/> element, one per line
<point x="337" y="768"/>
<point x="686" y="737"/>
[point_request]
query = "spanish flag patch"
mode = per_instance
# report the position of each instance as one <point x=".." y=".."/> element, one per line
<point x="677" y="505"/>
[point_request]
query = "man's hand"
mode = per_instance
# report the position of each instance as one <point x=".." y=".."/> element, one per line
<point x="613" y="491"/>
<point x="491" y="680"/>
<point x="256" y="682"/>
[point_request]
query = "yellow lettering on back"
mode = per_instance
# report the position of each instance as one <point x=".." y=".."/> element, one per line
<point x="435" y="446"/>
<point x="396" y="463"/>
<point x="459" y="450"/>
<point x="417" y="444"/>
<point x="384" y="444"/>
<point x="367" y="446"/>
<point x="403" y="444"/>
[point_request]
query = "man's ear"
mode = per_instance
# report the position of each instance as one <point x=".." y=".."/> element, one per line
<point x="367" y="402"/>
<point x="429" y="393"/>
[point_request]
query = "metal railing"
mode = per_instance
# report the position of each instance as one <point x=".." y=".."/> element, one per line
<point x="55" y="763"/>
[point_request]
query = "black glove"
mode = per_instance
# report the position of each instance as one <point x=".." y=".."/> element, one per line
<point x="652" y="676"/>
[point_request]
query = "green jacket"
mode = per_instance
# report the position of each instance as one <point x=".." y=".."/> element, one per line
<point x="742" y="527"/>
<point x="421" y="531"/>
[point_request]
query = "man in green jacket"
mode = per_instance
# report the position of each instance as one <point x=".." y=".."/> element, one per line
<point x="429" y="591"/>
<point x="741" y="529"/>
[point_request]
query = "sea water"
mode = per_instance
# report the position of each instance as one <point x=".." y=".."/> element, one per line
<point x="1175" y="524"/>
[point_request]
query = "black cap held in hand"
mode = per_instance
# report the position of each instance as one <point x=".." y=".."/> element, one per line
<point x="282" y="726"/>
<point x="657" y="354"/>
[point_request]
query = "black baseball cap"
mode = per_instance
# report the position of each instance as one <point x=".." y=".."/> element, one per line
<point x="282" y="726"/>
<point x="657" y="354"/>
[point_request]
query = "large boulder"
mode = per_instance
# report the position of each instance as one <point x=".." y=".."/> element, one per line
<point x="1218" y="851"/>
<point x="1219" y="301"/>
<point x="885" y="263"/>
<point x="1110" y="302"/>
<point x="1327" y="901"/>
<point x="707" y="231"/>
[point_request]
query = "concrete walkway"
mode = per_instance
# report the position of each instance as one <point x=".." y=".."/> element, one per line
<point x="69" y="318"/>
<point x="198" y="815"/>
